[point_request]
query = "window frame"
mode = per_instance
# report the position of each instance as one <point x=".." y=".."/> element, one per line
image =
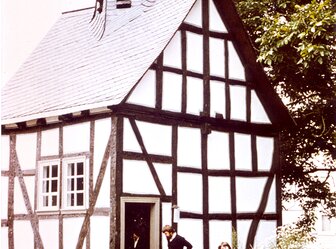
<point x="41" y="167"/>
<point x="84" y="191"/>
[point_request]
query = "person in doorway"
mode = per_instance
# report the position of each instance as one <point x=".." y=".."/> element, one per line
<point x="224" y="245"/>
<point x="137" y="241"/>
<point x="175" y="241"/>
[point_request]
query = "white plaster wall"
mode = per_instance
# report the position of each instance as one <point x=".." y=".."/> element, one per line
<point x="218" y="150"/>
<point x="194" y="52"/>
<point x="265" y="150"/>
<point x="172" y="53"/>
<point x="243" y="227"/>
<point x="166" y="220"/>
<point x="217" y="63"/>
<point x="4" y="237"/>
<point x="189" y="147"/>
<point x="76" y="138"/>
<point x="71" y="229"/>
<point x="49" y="233"/>
<point x="266" y="234"/>
<point x="191" y="230"/>
<point x="236" y="68"/>
<point x="219" y="195"/>
<point x="22" y="227"/>
<point x="164" y="172"/>
<point x="243" y="154"/>
<point x="271" y="202"/>
<point x="190" y="196"/>
<point x="100" y="232"/>
<point x="144" y="92"/>
<point x="216" y="23"/>
<point x="26" y="150"/>
<point x="194" y="95"/>
<point x="258" y="113"/>
<point x="238" y="102"/>
<point x="130" y="141"/>
<point x="4" y="152"/>
<point x="217" y="98"/>
<point x="219" y="231"/>
<point x="50" y="142"/>
<point x="19" y="204"/>
<point x="195" y="15"/>
<point x="137" y="178"/>
<point x="249" y="192"/>
<point x="102" y="133"/>
<point x="172" y="92"/>
<point x="4" y="197"/>
<point x="156" y="137"/>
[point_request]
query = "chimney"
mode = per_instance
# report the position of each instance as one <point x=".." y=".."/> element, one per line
<point x="122" y="4"/>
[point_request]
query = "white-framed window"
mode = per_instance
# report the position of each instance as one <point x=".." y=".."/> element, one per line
<point x="74" y="184"/>
<point x="49" y="183"/>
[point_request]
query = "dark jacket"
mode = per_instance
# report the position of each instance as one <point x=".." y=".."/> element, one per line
<point x="178" y="243"/>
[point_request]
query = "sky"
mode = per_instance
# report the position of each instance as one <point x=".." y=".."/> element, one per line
<point x="24" y="23"/>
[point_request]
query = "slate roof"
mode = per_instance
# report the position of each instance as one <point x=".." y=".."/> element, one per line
<point x="71" y="70"/>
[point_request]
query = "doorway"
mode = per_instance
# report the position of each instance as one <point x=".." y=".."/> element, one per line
<point x="140" y="214"/>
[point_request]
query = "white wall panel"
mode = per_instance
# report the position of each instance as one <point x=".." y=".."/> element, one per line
<point x="172" y="92"/>
<point x="144" y="92"/>
<point x="49" y="233"/>
<point x="189" y="196"/>
<point x="100" y="232"/>
<point x="217" y="98"/>
<point x="271" y="203"/>
<point x="243" y="154"/>
<point x="194" y="52"/>
<point x="19" y="204"/>
<point x="102" y="133"/>
<point x="50" y="142"/>
<point x="156" y="137"/>
<point x="189" y="147"/>
<point x="217" y="63"/>
<point x="172" y="53"/>
<point x="4" y="152"/>
<point x="195" y="15"/>
<point x="216" y="23"/>
<point x="258" y="113"/>
<point x="236" y="68"/>
<point x="249" y="193"/>
<point x="243" y="227"/>
<point x="137" y="178"/>
<point x="4" y="238"/>
<point x="130" y="141"/>
<point x="266" y="234"/>
<point x="191" y="230"/>
<point x="265" y="151"/>
<point x="26" y="150"/>
<point x="165" y="172"/>
<point x="23" y="228"/>
<point x="76" y="138"/>
<point x="219" y="195"/>
<point x="219" y="231"/>
<point x="194" y="95"/>
<point x="238" y="102"/>
<point x="71" y="229"/>
<point x="218" y="150"/>
<point x="166" y="220"/>
<point x="4" y="197"/>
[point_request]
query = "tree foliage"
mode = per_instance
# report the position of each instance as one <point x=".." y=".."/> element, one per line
<point x="295" y="41"/>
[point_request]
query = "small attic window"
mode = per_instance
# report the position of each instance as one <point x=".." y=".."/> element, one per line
<point x="122" y="4"/>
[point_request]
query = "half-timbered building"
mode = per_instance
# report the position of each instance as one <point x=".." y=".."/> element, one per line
<point x="138" y="114"/>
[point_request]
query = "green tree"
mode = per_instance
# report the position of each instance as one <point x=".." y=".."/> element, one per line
<point x="295" y="42"/>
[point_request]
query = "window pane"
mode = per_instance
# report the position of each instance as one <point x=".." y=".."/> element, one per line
<point x="80" y="183"/>
<point x="80" y="198"/>
<point x="54" y="170"/>
<point x="71" y="169"/>
<point x="54" y="186"/>
<point x="45" y="201"/>
<point x="80" y="167"/>
<point x="54" y="200"/>
<point x="46" y="172"/>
